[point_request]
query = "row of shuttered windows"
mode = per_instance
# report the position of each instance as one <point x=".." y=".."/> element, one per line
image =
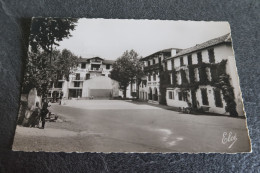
<point x="211" y="56"/>
<point x="182" y="96"/>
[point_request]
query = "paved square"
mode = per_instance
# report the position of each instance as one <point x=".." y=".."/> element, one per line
<point x="126" y="126"/>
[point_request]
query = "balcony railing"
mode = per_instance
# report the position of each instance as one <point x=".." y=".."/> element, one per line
<point x="78" y="78"/>
<point x="96" y="69"/>
<point x="95" y="61"/>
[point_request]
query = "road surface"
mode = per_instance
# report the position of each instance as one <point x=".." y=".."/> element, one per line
<point x="126" y="126"/>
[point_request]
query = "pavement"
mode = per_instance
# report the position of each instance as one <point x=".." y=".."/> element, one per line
<point x="128" y="126"/>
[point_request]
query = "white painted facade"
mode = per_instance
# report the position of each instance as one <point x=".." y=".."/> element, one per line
<point x="87" y="77"/>
<point x="221" y="52"/>
<point x="149" y="89"/>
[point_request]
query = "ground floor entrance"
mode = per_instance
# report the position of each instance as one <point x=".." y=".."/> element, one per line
<point x="75" y="93"/>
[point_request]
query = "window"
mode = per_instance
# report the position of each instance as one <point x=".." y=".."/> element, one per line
<point x="149" y="63"/>
<point x="180" y="96"/>
<point x="187" y="75"/>
<point x="178" y="74"/>
<point x="59" y="85"/>
<point x="196" y="73"/>
<point x="173" y="78"/>
<point x="154" y="76"/>
<point x="83" y="65"/>
<point x="108" y="66"/>
<point x="211" y="56"/>
<point x="153" y="61"/>
<point x="181" y="61"/>
<point x="170" y="94"/>
<point x="208" y="73"/>
<point x="160" y="60"/>
<point x="184" y="96"/>
<point x="199" y="56"/>
<point x="87" y="76"/>
<point x="203" y="74"/>
<point x="76" y="84"/>
<point x="171" y="81"/>
<point x="204" y="96"/>
<point x="77" y="76"/>
<point x="189" y="59"/>
<point x="218" y="100"/>
<point x="149" y="77"/>
<point x="213" y="71"/>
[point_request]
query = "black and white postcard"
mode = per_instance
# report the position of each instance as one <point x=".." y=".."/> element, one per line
<point x="120" y="85"/>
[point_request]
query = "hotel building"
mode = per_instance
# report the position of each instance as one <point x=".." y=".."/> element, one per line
<point x="149" y="88"/>
<point x="204" y="77"/>
<point x="90" y="78"/>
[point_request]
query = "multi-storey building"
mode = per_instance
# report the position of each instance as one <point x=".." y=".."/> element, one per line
<point x="204" y="77"/>
<point x="149" y="88"/>
<point x="91" y="77"/>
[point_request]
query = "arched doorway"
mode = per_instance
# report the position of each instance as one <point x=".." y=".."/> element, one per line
<point x="155" y="97"/>
<point x="150" y="96"/>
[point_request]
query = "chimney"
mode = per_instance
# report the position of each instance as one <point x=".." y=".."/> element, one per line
<point x="173" y="52"/>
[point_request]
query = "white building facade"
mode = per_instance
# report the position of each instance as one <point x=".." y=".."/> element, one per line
<point x="204" y="77"/>
<point x="90" y="78"/>
<point x="149" y="88"/>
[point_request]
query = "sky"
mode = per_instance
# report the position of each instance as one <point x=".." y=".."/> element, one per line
<point x="110" y="38"/>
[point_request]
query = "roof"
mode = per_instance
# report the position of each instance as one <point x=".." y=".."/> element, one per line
<point x="83" y="59"/>
<point x="161" y="51"/>
<point x="223" y="39"/>
<point x="108" y="61"/>
<point x="80" y="60"/>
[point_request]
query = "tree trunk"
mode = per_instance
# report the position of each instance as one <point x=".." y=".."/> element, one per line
<point x="131" y="88"/>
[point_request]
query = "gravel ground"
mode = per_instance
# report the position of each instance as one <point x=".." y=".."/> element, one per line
<point x="125" y="126"/>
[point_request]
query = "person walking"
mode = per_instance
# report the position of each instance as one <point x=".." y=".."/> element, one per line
<point x="44" y="112"/>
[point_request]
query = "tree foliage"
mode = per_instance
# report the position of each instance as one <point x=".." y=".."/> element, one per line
<point x="44" y="64"/>
<point x="126" y="69"/>
<point x="40" y="74"/>
<point x="46" y="32"/>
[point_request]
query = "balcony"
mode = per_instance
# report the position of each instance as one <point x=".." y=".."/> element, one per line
<point x="153" y="67"/>
<point x="96" y="69"/>
<point x="78" y="78"/>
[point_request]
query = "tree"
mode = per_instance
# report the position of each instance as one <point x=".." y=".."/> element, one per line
<point x="40" y="74"/>
<point x="126" y="69"/>
<point x="46" y="32"/>
<point x="63" y="64"/>
<point x="39" y="69"/>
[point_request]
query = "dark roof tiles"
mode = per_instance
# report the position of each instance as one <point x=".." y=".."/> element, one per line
<point x="225" y="38"/>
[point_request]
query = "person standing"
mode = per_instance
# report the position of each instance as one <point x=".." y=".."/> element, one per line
<point x="35" y="117"/>
<point x="61" y="96"/>
<point x="44" y="112"/>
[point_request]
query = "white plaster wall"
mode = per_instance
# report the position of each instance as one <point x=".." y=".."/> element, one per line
<point x="100" y="82"/>
<point x="222" y="52"/>
<point x="177" y="62"/>
<point x="169" y="64"/>
<point x="185" y="60"/>
<point x="205" y="56"/>
<point x="211" y="100"/>
<point x="194" y="58"/>
<point x="175" y="102"/>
